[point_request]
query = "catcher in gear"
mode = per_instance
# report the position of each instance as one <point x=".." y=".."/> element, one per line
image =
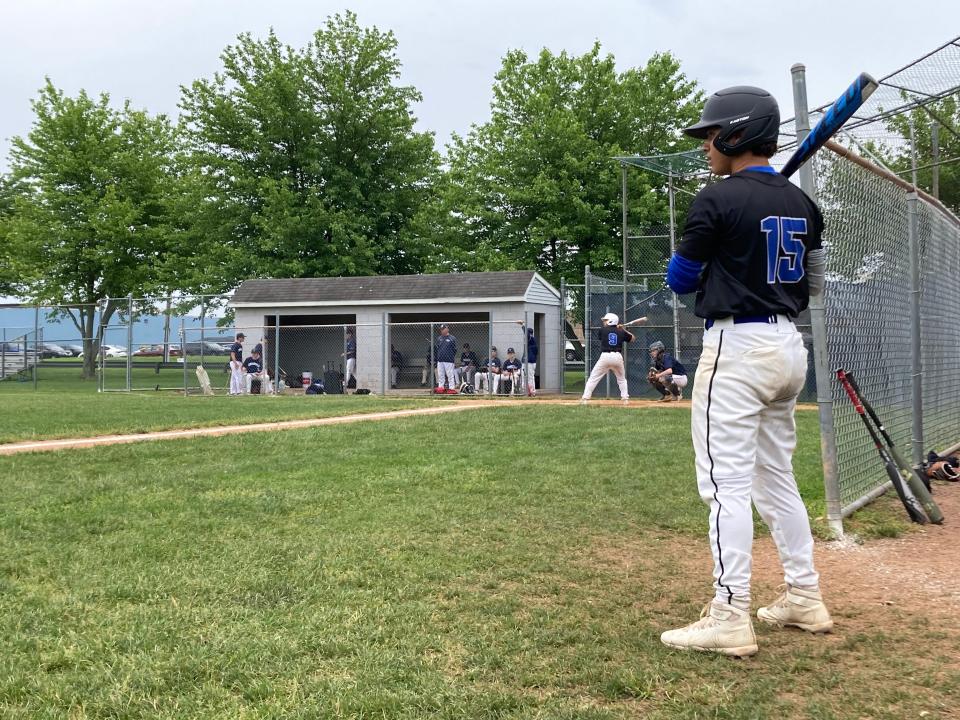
<point x="668" y="376"/>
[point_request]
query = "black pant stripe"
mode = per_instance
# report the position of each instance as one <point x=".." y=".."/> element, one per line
<point x="716" y="489"/>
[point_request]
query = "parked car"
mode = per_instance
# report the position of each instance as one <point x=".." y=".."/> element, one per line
<point x="75" y="350"/>
<point x="207" y="348"/>
<point x="52" y="350"/>
<point x="11" y="348"/>
<point x="112" y="351"/>
<point x="157" y="351"/>
<point x="573" y="351"/>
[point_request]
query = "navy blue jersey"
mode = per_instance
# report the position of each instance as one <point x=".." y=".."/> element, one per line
<point x="666" y="360"/>
<point x="396" y="359"/>
<point x="469" y="358"/>
<point x="252" y="365"/>
<point x="612" y="338"/>
<point x="491" y="364"/>
<point x="351" y="348"/>
<point x="752" y="232"/>
<point x="445" y="349"/>
<point x="236" y="352"/>
<point x="533" y="350"/>
<point x="512" y="363"/>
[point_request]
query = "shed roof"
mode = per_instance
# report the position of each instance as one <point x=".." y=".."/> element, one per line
<point x="392" y="289"/>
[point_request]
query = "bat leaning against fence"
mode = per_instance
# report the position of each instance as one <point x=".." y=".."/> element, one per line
<point x="909" y="502"/>
<point x="915" y="481"/>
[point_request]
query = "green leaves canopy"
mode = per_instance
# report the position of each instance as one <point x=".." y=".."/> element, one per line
<point x="305" y="162"/>
<point x="536" y="185"/>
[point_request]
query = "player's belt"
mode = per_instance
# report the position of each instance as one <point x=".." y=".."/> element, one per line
<point x="742" y="319"/>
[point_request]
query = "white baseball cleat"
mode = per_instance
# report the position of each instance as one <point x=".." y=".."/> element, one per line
<point x="583" y="401"/>
<point x="798" y="608"/>
<point x="625" y="401"/>
<point x="722" y="628"/>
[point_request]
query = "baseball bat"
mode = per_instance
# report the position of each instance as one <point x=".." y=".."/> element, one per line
<point x="914" y="481"/>
<point x="841" y="111"/>
<point x="637" y="321"/>
<point x="910" y="503"/>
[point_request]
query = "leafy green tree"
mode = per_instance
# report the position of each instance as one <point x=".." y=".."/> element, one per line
<point x="86" y="205"/>
<point x="536" y="185"/>
<point x="305" y="162"/>
<point x="947" y="113"/>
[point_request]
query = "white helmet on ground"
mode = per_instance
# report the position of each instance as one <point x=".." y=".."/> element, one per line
<point x="610" y="319"/>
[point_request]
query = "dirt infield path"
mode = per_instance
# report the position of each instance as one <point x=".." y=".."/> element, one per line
<point x="915" y="572"/>
<point x="87" y="442"/>
<point x="207" y="431"/>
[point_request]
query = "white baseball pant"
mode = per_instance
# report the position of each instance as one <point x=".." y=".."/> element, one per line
<point x="532" y="378"/>
<point x="744" y="436"/>
<point x="514" y="376"/>
<point x="445" y="375"/>
<point x="236" y="378"/>
<point x="266" y="386"/>
<point x="491" y="380"/>
<point x="608" y="362"/>
<point x="351" y="371"/>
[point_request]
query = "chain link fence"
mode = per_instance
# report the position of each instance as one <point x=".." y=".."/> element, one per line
<point x="892" y="287"/>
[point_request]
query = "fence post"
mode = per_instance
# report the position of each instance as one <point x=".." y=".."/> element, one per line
<point x="587" y="335"/>
<point x="673" y="245"/>
<point x="913" y="240"/>
<point x="818" y="328"/>
<point x="37" y="353"/>
<point x="276" y="353"/>
<point x="129" y="342"/>
<point x="183" y="357"/>
<point x="526" y="360"/>
<point x="385" y="356"/>
<point x="203" y="322"/>
<point x="99" y="346"/>
<point x="563" y="336"/>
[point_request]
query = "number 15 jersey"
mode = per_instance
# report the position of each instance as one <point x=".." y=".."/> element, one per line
<point x="752" y="232"/>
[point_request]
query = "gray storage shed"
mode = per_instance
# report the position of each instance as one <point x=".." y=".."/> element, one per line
<point x="403" y="311"/>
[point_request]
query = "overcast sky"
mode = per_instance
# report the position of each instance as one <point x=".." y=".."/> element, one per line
<point x="451" y="49"/>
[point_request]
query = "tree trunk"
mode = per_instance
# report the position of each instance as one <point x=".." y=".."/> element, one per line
<point x="91" y="344"/>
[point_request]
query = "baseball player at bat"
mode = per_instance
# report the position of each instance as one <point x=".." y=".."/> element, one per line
<point x="612" y="337"/>
<point x="751" y="250"/>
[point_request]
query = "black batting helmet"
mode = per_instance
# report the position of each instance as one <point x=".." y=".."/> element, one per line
<point x="742" y="109"/>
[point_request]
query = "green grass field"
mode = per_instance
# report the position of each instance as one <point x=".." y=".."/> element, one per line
<point x="468" y="566"/>
<point x="33" y="416"/>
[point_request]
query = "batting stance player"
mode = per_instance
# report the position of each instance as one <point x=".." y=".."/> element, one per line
<point x="751" y="249"/>
<point x="236" y="366"/>
<point x="612" y="337"/>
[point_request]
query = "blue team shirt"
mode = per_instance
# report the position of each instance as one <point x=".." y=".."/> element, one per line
<point x="669" y="361"/>
<point x="352" y="349"/>
<point x="512" y="364"/>
<point x="533" y="350"/>
<point x="252" y="365"/>
<point x="236" y="351"/>
<point x="492" y="364"/>
<point x="446" y="349"/>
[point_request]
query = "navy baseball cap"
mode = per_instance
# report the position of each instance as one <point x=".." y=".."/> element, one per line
<point x="444" y="326"/>
<point x="509" y="350"/>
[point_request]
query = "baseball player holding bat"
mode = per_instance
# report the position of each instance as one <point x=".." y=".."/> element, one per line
<point x="612" y="337"/>
<point x="751" y="250"/>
